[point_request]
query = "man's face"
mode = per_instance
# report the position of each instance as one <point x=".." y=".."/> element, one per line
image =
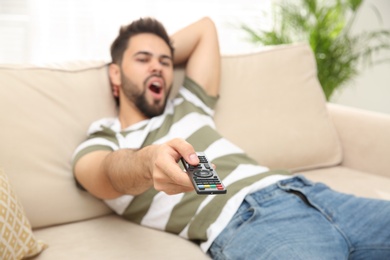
<point x="147" y="73"/>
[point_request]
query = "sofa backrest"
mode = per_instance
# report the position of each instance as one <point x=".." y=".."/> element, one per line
<point x="271" y="105"/>
<point x="44" y="115"/>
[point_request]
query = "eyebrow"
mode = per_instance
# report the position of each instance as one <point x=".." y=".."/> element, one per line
<point x="163" y="56"/>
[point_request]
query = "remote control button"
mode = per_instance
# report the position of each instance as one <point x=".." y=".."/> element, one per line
<point x="203" y="174"/>
<point x="202" y="159"/>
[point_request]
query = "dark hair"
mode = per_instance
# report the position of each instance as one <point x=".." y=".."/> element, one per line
<point x="142" y="25"/>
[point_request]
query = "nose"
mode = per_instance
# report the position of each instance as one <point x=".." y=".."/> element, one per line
<point x="156" y="66"/>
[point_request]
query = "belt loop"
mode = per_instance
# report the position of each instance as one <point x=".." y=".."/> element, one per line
<point x="295" y="183"/>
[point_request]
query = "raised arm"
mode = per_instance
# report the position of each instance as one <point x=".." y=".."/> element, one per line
<point x="198" y="46"/>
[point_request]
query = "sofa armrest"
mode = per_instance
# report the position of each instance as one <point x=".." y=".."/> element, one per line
<point x="364" y="137"/>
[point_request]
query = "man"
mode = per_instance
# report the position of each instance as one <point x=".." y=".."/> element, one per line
<point x="131" y="162"/>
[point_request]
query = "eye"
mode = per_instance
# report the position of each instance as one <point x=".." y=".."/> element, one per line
<point x="166" y="62"/>
<point x="142" y="59"/>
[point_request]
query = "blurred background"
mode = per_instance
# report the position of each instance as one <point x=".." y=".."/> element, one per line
<point x="51" y="31"/>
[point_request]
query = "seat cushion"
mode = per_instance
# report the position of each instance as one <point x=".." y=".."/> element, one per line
<point x="351" y="181"/>
<point x="111" y="237"/>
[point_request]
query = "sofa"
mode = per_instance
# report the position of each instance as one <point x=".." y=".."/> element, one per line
<point x="271" y="105"/>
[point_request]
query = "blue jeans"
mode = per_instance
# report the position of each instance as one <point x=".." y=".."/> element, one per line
<point x="298" y="219"/>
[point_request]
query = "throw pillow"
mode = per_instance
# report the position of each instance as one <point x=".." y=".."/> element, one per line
<point x="17" y="240"/>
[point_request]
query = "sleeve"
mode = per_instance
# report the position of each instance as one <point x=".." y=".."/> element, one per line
<point x="100" y="137"/>
<point x="200" y="93"/>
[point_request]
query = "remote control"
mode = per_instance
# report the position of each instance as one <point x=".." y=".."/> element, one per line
<point x="204" y="177"/>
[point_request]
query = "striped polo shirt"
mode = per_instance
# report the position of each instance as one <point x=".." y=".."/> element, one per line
<point x="189" y="116"/>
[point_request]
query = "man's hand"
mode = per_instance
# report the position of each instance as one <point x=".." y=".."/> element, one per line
<point x="166" y="173"/>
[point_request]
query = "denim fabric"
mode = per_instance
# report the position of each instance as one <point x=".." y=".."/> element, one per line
<point x="298" y="219"/>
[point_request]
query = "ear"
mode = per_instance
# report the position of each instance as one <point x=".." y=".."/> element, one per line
<point x="115" y="78"/>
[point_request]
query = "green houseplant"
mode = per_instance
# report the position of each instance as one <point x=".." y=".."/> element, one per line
<point x="326" y="26"/>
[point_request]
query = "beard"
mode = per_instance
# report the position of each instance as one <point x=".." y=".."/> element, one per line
<point x="138" y="98"/>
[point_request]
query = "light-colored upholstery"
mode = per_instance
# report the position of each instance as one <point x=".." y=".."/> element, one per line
<point x="271" y="105"/>
<point x="44" y="116"/>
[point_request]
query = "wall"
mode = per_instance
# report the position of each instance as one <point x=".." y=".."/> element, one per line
<point x="42" y="31"/>
<point x="371" y="89"/>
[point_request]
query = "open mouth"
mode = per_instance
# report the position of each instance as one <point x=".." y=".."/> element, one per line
<point x="155" y="87"/>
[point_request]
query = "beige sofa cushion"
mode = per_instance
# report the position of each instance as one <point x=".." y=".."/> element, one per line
<point x="272" y="105"/>
<point x="44" y="115"/>
<point x="111" y="237"/>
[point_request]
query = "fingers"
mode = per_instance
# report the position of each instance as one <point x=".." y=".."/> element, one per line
<point x="171" y="179"/>
<point x="168" y="176"/>
<point x="185" y="150"/>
